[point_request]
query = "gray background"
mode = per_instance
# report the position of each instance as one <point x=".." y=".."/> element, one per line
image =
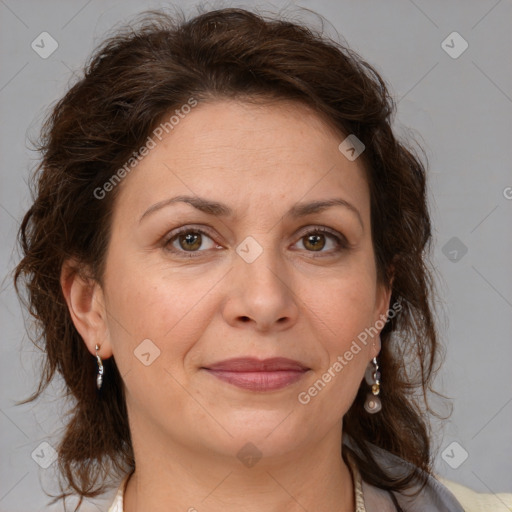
<point x="459" y="109"/>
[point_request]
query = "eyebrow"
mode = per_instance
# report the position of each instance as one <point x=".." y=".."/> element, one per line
<point x="221" y="210"/>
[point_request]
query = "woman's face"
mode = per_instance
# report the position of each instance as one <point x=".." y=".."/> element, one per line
<point x="256" y="282"/>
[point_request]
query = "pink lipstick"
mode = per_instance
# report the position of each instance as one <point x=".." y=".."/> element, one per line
<point x="258" y="375"/>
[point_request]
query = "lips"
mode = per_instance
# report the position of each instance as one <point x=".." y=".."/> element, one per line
<point x="258" y="375"/>
<point x="251" y="364"/>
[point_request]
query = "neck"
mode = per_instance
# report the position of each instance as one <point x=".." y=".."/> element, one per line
<point x="315" y="477"/>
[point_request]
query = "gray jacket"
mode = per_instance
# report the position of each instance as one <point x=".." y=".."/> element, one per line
<point x="434" y="497"/>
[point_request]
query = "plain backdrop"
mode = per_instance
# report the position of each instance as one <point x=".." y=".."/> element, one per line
<point x="455" y="101"/>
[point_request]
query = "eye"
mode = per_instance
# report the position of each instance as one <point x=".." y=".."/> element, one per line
<point x="188" y="240"/>
<point x="315" y="241"/>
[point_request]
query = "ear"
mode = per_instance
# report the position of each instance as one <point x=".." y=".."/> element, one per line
<point x="86" y="304"/>
<point x="382" y="306"/>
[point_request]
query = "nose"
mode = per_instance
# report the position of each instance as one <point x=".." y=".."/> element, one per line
<point x="260" y="293"/>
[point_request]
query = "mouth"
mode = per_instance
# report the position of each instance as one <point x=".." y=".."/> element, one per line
<point x="258" y="375"/>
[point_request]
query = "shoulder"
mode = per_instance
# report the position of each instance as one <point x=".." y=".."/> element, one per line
<point x="473" y="501"/>
<point x="438" y="495"/>
<point x="433" y="496"/>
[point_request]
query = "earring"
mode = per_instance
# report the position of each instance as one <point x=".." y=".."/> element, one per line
<point x="372" y="403"/>
<point x="99" y="377"/>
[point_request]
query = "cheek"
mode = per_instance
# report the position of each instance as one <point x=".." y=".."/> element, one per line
<point x="341" y="314"/>
<point x="343" y="306"/>
<point x="159" y="304"/>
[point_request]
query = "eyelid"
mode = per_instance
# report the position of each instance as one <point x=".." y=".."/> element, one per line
<point x="312" y="228"/>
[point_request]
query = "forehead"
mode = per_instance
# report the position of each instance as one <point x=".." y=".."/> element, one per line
<point x="242" y="153"/>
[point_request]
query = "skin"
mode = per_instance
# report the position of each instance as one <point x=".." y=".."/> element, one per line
<point x="187" y="426"/>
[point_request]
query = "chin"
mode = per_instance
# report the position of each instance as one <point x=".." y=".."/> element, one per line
<point x="270" y="433"/>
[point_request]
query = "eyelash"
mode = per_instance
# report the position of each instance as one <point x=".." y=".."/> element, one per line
<point x="340" y="240"/>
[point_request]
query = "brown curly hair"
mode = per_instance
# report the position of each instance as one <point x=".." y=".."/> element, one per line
<point x="138" y="75"/>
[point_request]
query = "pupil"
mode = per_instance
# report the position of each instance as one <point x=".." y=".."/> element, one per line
<point x="190" y="239"/>
<point x="315" y="241"/>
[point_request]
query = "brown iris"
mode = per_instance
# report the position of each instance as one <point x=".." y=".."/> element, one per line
<point x="192" y="241"/>
<point x="316" y="241"/>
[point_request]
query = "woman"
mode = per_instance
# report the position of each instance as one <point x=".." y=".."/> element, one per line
<point x="227" y="255"/>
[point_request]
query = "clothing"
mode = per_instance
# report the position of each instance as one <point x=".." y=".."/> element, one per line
<point x="117" y="504"/>
<point x="437" y="496"/>
<point x="473" y="501"/>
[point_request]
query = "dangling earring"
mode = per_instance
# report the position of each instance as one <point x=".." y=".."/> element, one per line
<point x="372" y="403"/>
<point x="99" y="377"/>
